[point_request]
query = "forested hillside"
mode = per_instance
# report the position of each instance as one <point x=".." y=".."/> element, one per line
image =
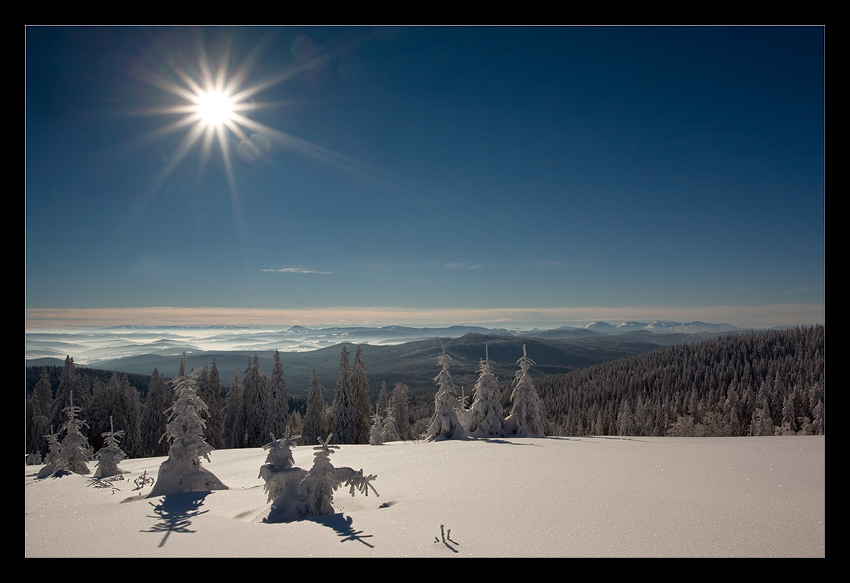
<point x="745" y="384"/>
<point x="742" y="384"/>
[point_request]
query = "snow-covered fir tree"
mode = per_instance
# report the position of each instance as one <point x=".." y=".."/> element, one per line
<point x="159" y="399"/>
<point x="314" y="424"/>
<point x="74" y="449"/>
<point x="360" y="386"/>
<point x="345" y="404"/>
<point x="445" y="423"/>
<point x="485" y="415"/>
<point x="182" y="471"/>
<point x="276" y="405"/>
<point x="110" y="455"/>
<point x="527" y="415"/>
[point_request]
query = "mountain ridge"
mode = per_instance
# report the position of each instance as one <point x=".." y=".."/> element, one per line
<point x="413" y="362"/>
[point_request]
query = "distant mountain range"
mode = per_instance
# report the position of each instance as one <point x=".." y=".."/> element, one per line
<point x="391" y="353"/>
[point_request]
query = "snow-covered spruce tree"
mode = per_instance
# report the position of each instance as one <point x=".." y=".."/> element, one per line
<point x="344" y="404"/>
<point x="182" y="471"/>
<point x="445" y="423"/>
<point x="399" y="403"/>
<point x="360" y="386"/>
<point x="130" y="407"/>
<point x="120" y="401"/>
<point x="485" y="415"/>
<point x="376" y="436"/>
<point x="51" y="459"/>
<point x="389" y="427"/>
<point x="234" y="422"/>
<point x="314" y="425"/>
<point x="276" y="405"/>
<point x="383" y="398"/>
<point x="39" y="405"/>
<point x="69" y="382"/>
<point x="318" y="485"/>
<point x="253" y="400"/>
<point x="159" y="399"/>
<point x="74" y="449"/>
<point x="110" y="455"/>
<point x="279" y="472"/>
<point x="210" y="393"/>
<point x="527" y="415"/>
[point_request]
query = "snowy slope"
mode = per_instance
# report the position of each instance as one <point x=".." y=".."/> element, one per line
<point x="549" y="497"/>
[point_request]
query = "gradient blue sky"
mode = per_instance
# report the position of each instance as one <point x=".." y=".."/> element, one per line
<point x="427" y="174"/>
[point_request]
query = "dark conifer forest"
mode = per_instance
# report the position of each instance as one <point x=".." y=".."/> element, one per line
<point x="756" y="383"/>
<point x="768" y="383"/>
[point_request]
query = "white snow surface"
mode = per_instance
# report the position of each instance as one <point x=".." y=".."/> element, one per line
<point x="506" y="497"/>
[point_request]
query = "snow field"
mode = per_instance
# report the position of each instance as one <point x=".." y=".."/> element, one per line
<point x="501" y="497"/>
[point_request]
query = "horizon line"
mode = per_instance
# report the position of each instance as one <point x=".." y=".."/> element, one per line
<point x="766" y="316"/>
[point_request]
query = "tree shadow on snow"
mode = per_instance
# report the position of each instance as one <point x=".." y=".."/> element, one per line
<point x="592" y="438"/>
<point x="176" y="512"/>
<point x="343" y="526"/>
<point x="504" y="441"/>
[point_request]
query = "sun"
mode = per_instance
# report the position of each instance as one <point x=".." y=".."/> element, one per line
<point x="212" y="105"/>
<point x="212" y="92"/>
<point x="215" y="108"/>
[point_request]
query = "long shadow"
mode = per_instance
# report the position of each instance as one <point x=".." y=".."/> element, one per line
<point x="594" y="437"/>
<point x="343" y="526"/>
<point x="176" y="512"/>
<point x="504" y="441"/>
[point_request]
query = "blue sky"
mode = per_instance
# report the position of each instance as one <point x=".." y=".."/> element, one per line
<point x="429" y="174"/>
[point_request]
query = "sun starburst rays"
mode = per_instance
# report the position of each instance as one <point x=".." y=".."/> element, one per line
<point x="212" y="108"/>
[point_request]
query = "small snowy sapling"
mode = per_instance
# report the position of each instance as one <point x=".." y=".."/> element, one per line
<point x="73" y="452"/>
<point x="300" y="493"/>
<point x="109" y="455"/>
<point x="51" y="460"/>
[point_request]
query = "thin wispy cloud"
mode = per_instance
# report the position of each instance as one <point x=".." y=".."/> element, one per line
<point x="296" y="270"/>
<point x="461" y="266"/>
<point x="553" y="263"/>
